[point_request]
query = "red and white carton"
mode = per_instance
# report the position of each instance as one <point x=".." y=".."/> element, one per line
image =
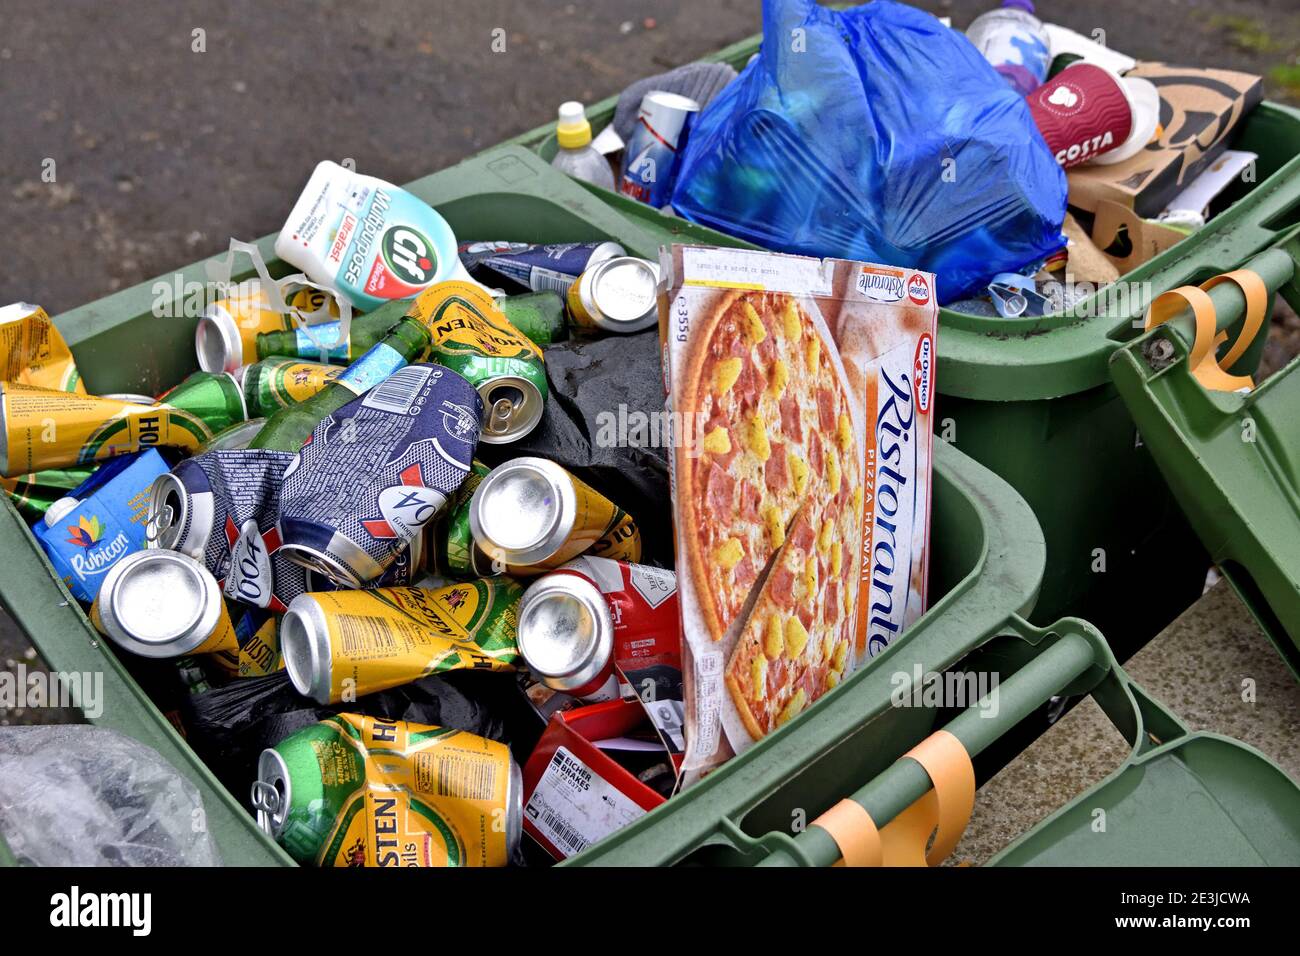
<point x="801" y="491"/>
<point x="574" y="793"/>
<point x="646" y="659"/>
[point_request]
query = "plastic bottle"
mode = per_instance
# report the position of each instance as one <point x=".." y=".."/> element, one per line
<point x="367" y="239"/>
<point x="1015" y="42"/>
<point x="576" y="156"/>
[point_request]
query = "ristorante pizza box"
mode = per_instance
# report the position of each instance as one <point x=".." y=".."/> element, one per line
<point x="804" y="390"/>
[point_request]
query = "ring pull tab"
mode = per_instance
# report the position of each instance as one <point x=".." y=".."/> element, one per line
<point x="266" y="798"/>
<point x="503" y="409"/>
<point x="157" y="523"/>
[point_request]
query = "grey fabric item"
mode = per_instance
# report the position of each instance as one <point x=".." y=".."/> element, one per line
<point x="700" y="81"/>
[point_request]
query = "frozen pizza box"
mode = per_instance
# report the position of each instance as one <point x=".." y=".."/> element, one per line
<point x="804" y="393"/>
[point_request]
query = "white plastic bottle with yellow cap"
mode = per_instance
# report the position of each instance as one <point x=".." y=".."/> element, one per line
<point x="576" y="156"/>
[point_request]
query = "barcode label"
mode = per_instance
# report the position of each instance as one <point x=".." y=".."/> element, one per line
<point x="398" y="392"/>
<point x="463" y="777"/>
<point x="563" y="833"/>
<point x="363" y="636"/>
<point x="548" y="280"/>
<point x="572" y="806"/>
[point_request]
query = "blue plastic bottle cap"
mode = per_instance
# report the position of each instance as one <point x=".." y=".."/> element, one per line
<point x="1026" y="5"/>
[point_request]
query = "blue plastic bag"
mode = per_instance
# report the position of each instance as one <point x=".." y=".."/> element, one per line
<point x="875" y="133"/>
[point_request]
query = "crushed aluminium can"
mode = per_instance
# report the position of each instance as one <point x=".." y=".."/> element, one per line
<point x="33" y="352"/>
<point x="531" y="516"/>
<point x="473" y="337"/>
<point x="339" y="645"/>
<point x="376" y="471"/>
<point x="581" y="621"/>
<point x="541" y="268"/>
<point x="364" y="791"/>
<point x="221" y="508"/>
<point x="619" y="295"/>
<point x="163" y="604"/>
<point x="663" y="125"/>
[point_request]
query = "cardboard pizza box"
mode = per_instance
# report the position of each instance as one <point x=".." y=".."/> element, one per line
<point x="1199" y="111"/>
<point x="804" y="390"/>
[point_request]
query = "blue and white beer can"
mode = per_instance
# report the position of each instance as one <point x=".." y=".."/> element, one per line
<point x="663" y="125"/>
<point x="376" y="471"/>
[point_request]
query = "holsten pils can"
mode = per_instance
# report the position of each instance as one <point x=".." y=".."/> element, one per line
<point x="376" y="471"/>
<point x="163" y="604"/>
<point x="619" y="295"/>
<point x="571" y="642"/>
<point x="663" y="125"/>
<point x="339" y="645"/>
<point x="540" y="268"/>
<point x="41" y="428"/>
<point x="258" y="633"/>
<point x="226" y="336"/>
<point x="531" y="516"/>
<point x="362" y="791"/>
<point x="474" y="338"/>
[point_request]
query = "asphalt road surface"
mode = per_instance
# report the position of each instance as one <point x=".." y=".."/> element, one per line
<point x="173" y="125"/>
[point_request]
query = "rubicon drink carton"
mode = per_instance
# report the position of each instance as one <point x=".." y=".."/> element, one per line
<point x="801" y="493"/>
<point x="100" y="522"/>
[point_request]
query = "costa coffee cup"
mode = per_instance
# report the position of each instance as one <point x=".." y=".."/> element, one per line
<point x="1145" y="100"/>
<point x="1086" y="111"/>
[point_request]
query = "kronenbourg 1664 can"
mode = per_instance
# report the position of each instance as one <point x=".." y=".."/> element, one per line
<point x="339" y="645"/>
<point x="221" y="508"/>
<point x="650" y="156"/>
<point x="364" y="791"/>
<point x="376" y="471"/>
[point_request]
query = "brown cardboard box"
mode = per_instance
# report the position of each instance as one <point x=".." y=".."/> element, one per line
<point x="1120" y="228"/>
<point x="1199" y="109"/>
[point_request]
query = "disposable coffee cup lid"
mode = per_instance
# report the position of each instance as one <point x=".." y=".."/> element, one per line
<point x="1144" y="101"/>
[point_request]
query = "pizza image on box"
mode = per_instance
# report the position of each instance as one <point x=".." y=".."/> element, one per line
<point x="778" y="443"/>
<point x="796" y="380"/>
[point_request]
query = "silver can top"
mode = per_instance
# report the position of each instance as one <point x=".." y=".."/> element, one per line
<point x="179" y="519"/>
<point x="512" y="408"/>
<point x="271" y="792"/>
<point x="135" y="398"/>
<point x="566" y="631"/>
<point x="159" y="603"/>
<point x="217" y="341"/>
<point x="523" y="511"/>
<point x="624" y="294"/>
<point x="305" y="647"/>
